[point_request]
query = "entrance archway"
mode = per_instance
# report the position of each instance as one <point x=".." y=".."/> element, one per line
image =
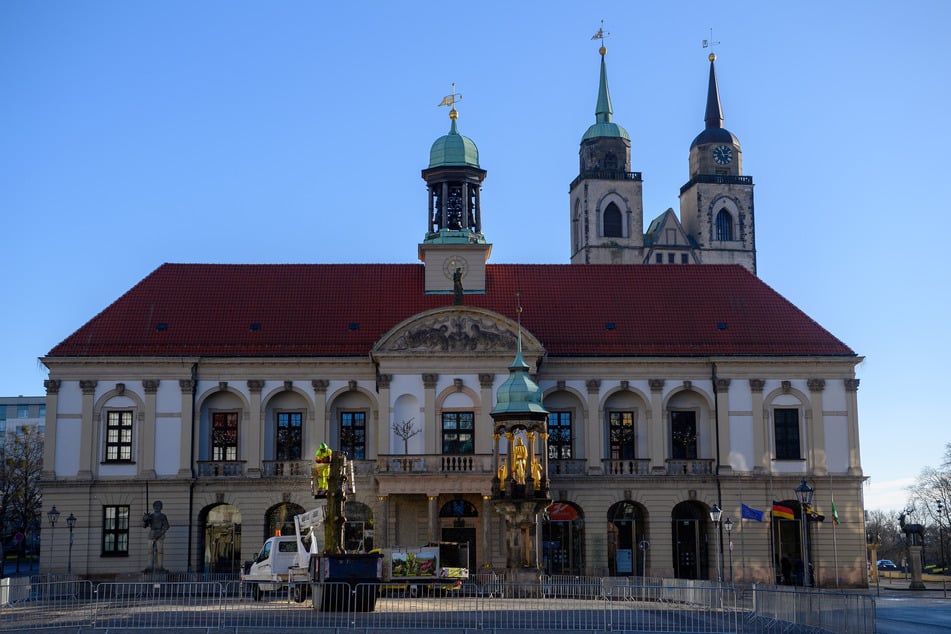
<point x="627" y="522"/>
<point x="689" y="540"/>
<point x="460" y="530"/>
<point x="358" y="531"/>
<point x="221" y="538"/>
<point x="787" y="549"/>
<point x="563" y="539"/>
<point x="280" y="517"/>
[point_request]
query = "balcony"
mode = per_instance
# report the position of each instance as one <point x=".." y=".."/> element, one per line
<point x="693" y="467"/>
<point x="433" y="464"/>
<point x="631" y="466"/>
<point x="297" y="469"/>
<point x="566" y="468"/>
<point x="221" y="468"/>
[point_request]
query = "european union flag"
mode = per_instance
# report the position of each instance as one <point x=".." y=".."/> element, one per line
<point x="748" y="513"/>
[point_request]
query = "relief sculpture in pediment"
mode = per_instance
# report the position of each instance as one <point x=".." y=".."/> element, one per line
<point x="456" y="334"/>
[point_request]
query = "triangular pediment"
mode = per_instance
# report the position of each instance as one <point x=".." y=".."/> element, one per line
<point x="457" y="330"/>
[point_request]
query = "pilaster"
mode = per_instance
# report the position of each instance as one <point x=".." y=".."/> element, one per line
<point x="817" y="434"/>
<point x="484" y="425"/>
<point x="320" y="415"/>
<point x="852" y="409"/>
<point x="146" y="457"/>
<point x="253" y="429"/>
<point x="657" y="427"/>
<point x="432" y="430"/>
<point x="88" y="435"/>
<point x="383" y="428"/>
<point x="594" y="436"/>
<point x="188" y="440"/>
<point x="722" y="387"/>
<point x="49" y="447"/>
<point x="761" y="462"/>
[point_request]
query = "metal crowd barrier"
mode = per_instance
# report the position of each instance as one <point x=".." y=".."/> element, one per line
<point x="483" y="603"/>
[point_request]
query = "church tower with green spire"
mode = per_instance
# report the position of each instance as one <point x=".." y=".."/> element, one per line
<point x="606" y="202"/>
<point x="716" y="204"/>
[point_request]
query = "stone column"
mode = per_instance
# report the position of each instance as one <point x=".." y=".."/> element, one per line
<point x="761" y="461"/>
<point x="383" y="425"/>
<point x="914" y="557"/>
<point x="49" y="447"/>
<point x="484" y="424"/>
<point x="384" y="522"/>
<point x="723" y="425"/>
<point x="852" y="409"/>
<point x="187" y="441"/>
<point x="486" y="528"/>
<point x="432" y="430"/>
<point x="658" y="428"/>
<point x="146" y="457"/>
<point x="254" y="430"/>
<point x="817" y="433"/>
<point x="89" y="436"/>
<point x="594" y="435"/>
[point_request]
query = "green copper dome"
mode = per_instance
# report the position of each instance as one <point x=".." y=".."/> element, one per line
<point x="453" y="149"/>
<point x="519" y="394"/>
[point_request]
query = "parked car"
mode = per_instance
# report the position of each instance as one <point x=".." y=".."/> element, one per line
<point x="887" y="564"/>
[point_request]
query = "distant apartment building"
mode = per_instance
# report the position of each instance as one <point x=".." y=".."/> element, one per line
<point x="17" y="412"/>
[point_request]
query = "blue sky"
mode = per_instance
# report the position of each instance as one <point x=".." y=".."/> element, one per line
<point x="137" y="133"/>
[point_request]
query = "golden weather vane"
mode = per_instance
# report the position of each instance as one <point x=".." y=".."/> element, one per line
<point x="600" y="35"/>
<point x="710" y="44"/>
<point x="450" y="100"/>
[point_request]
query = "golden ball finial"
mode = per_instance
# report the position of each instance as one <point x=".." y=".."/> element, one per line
<point x="712" y="57"/>
<point x="453" y="114"/>
<point x="602" y="50"/>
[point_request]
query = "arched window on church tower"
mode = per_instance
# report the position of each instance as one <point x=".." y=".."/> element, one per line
<point x="724" y="230"/>
<point x="612" y="222"/>
<point x="610" y="161"/>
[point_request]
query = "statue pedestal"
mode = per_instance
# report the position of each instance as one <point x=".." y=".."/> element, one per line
<point x="914" y="554"/>
<point x="524" y="582"/>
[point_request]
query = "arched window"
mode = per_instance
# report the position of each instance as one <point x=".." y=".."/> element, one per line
<point x="626" y="529"/>
<point x="724" y="225"/>
<point x="610" y="161"/>
<point x="612" y="222"/>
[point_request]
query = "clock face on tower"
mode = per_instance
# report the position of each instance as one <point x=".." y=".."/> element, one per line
<point x="453" y="263"/>
<point x="723" y="154"/>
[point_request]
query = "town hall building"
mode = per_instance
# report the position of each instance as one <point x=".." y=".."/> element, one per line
<point x="673" y="378"/>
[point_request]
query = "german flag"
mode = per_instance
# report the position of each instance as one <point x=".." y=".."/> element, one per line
<point x="783" y="512"/>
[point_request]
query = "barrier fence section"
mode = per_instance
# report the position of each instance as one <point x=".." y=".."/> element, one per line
<point x="558" y="604"/>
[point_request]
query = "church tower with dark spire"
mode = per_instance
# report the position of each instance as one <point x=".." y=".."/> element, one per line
<point x="454" y="249"/>
<point x="716" y="204"/>
<point x="606" y="201"/>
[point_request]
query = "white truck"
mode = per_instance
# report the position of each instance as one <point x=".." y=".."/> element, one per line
<point x="285" y="561"/>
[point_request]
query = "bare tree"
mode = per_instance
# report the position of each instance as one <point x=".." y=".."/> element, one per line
<point x="21" y="461"/>
<point x="405" y="429"/>
<point x="928" y="501"/>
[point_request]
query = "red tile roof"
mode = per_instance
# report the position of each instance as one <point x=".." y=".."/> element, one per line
<point x="343" y="309"/>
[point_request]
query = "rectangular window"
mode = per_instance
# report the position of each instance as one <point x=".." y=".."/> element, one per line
<point x="23" y="411"/>
<point x="353" y="434"/>
<point x="559" y="436"/>
<point x="684" y="258"/>
<point x="621" y="434"/>
<point x="224" y="436"/>
<point x="683" y="435"/>
<point x="457" y="432"/>
<point x="119" y="436"/>
<point x="288" y="442"/>
<point x="659" y="258"/>
<point x="787" y="434"/>
<point x="42" y="411"/>
<point x="115" y="531"/>
<point x="3" y="427"/>
<point x="670" y="258"/>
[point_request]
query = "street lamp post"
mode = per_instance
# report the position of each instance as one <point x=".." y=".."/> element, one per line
<point x="804" y="495"/>
<point x="71" y="522"/>
<point x="53" y="515"/>
<point x="715" y="514"/>
<point x="728" y="527"/>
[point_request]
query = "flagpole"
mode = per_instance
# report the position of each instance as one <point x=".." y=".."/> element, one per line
<point x="772" y="554"/>
<point x="742" y="538"/>
<point x="835" y="545"/>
